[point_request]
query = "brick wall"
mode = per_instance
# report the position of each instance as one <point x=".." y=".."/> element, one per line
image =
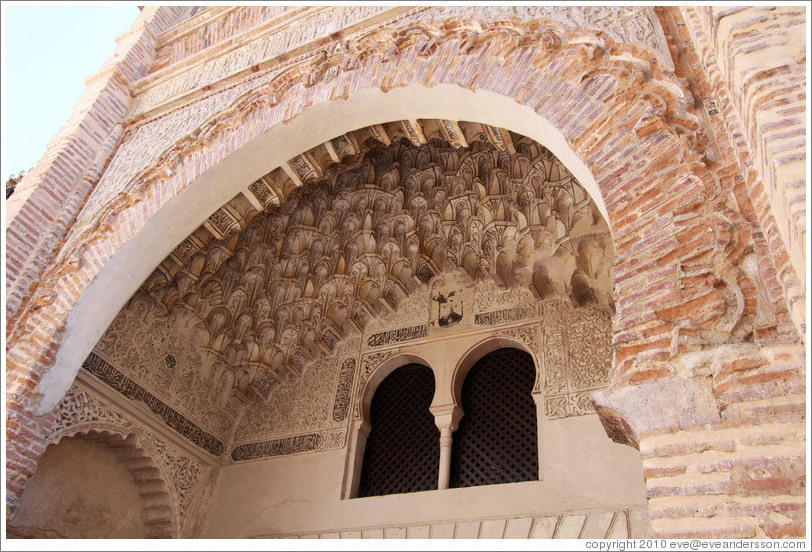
<point x="755" y="60"/>
<point x="49" y="196"/>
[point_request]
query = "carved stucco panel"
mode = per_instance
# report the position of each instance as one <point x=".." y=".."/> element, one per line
<point x="78" y="407"/>
<point x="296" y="406"/>
<point x="576" y="345"/>
<point x="411" y="311"/>
<point x="161" y="352"/>
<point x="143" y="146"/>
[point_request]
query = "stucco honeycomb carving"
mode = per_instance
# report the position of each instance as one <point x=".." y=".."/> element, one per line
<point x="373" y="231"/>
<point x="576" y="354"/>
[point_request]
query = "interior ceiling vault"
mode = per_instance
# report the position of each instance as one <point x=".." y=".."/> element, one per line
<point x="311" y="252"/>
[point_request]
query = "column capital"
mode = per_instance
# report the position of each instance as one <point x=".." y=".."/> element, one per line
<point x="447" y="416"/>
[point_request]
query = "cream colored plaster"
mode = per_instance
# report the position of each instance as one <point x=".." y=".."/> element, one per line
<point x="80" y="490"/>
<point x="133" y="262"/>
<point x="583" y="470"/>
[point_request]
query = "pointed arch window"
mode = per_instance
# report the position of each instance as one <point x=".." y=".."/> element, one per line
<point x="401" y="454"/>
<point x="497" y="439"/>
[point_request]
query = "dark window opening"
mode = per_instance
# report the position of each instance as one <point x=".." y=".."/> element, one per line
<point x="497" y="439"/>
<point x="402" y="452"/>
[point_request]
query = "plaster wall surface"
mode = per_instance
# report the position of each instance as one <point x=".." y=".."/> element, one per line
<point x="300" y="495"/>
<point x="80" y="490"/>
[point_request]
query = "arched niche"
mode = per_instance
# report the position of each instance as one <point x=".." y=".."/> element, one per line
<point x="130" y="265"/>
<point x="488" y="345"/>
<point x="491" y="344"/>
<point x="95" y="483"/>
<point x="401" y="454"/>
<point x="381" y="372"/>
<point x="497" y="439"/>
<point x="360" y="427"/>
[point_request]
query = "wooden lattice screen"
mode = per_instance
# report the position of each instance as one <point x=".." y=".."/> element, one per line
<point x="497" y="439"/>
<point x="402" y="452"/>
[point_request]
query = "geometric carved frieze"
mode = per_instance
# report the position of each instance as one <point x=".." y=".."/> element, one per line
<point x="277" y="447"/>
<point x="577" y="356"/>
<point x="132" y="390"/>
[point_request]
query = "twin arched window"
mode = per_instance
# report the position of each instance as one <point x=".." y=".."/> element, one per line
<point x="497" y="438"/>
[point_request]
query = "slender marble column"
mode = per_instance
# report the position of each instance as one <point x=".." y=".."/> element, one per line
<point x="447" y="418"/>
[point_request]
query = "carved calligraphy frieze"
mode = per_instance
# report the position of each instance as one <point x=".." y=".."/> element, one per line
<point x="397" y="336"/>
<point x="510" y="314"/>
<point x="278" y="447"/>
<point x="346" y="377"/>
<point x="132" y="390"/>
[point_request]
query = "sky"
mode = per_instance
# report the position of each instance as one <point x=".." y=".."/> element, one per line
<point x="48" y="50"/>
